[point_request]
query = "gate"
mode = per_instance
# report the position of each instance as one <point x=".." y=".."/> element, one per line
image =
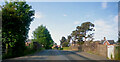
<point x="110" y="51"/>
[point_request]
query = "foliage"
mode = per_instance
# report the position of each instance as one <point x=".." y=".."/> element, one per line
<point x="55" y="43"/>
<point x="63" y="40"/>
<point x="32" y="51"/>
<point x="69" y="38"/>
<point x="43" y="37"/>
<point x="0" y="19"/>
<point x="81" y="32"/>
<point x="80" y="43"/>
<point x="119" y="37"/>
<point x="16" y="19"/>
<point x="0" y="27"/>
<point x="117" y="52"/>
<point x="60" y="48"/>
<point x="65" y="44"/>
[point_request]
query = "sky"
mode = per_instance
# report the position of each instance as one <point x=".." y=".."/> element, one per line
<point x="61" y="18"/>
<point x="66" y="0"/>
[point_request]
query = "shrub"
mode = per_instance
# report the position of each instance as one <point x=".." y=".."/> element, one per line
<point x="65" y="44"/>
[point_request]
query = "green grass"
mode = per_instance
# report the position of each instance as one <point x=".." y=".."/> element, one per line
<point x="89" y="52"/>
<point x="66" y="48"/>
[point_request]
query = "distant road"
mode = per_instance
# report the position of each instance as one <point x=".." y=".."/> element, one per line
<point x="60" y="55"/>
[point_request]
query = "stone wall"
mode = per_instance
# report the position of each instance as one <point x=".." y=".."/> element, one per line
<point x="74" y="47"/>
<point x="102" y="50"/>
<point x="94" y="47"/>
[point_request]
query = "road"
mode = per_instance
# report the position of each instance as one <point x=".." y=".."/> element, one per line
<point x="60" y="55"/>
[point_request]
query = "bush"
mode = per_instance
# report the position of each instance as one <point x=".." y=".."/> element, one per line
<point x="80" y="43"/>
<point x="60" y="48"/>
<point x="65" y="44"/>
<point x="117" y="53"/>
<point x="32" y="51"/>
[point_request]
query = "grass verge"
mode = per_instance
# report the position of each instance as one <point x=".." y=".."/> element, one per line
<point x="66" y="48"/>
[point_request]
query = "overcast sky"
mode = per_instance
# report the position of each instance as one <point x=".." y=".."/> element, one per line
<point x="61" y="18"/>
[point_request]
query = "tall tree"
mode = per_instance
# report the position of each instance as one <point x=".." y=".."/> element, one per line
<point x="16" y="19"/>
<point x="42" y="36"/>
<point x="0" y="28"/>
<point x="63" y="40"/>
<point x="69" y="38"/>
<point x="81" y="32"/>
<point x="74" y="35"/>
<point x="83" y="29"/>
<point x="118" y="36"/>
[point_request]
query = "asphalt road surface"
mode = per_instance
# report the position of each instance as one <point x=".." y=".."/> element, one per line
<point x="60" y="55"/>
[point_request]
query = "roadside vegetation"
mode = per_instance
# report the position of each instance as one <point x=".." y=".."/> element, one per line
<point x="0" y="34"/>
<point x="66" y="48"/>
<point x="16" y="19"/>
<point x="79" y="34"/>
<point x="117" y="53"/>
<point x="42" y="37"/>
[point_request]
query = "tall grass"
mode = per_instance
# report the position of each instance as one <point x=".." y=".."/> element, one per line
<point x="117" y="52"/>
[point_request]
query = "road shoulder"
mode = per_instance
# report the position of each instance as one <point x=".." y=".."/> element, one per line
<point x="92" y="56"/>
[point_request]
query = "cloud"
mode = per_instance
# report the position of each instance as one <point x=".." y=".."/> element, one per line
<point x="64" y="15"/>
<point x="104" y="5"/>
<point x="104" y="29"/>
<point x="76" y="22"/>
<point x="38" y="15"/>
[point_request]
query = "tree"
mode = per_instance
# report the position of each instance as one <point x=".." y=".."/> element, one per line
<point x="0" y="19"/>
<point x="119" y="37"/>
<point x="42" y="36"/>
<point x="81" y="32"/>
<point x="65" y="44"/>
<point x="55" y="43"/>
<point x="69" y="38"/>
<point x="0" y="24"/>
<point x="87" y="26"/>
<point x="16" y="19"/>
<point x="0" y="28"/>
<point x="74" y="35"/>
<point x="63" y="40"/>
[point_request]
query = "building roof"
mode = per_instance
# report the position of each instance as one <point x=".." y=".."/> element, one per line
<point x="101" y="42"/>
<point x="110" y="41"/>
